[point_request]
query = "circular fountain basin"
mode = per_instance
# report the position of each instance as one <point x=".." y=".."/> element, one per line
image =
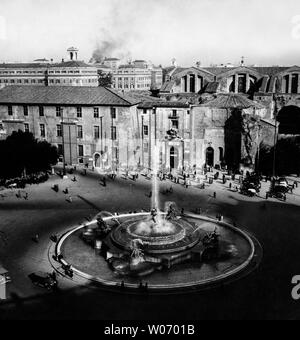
<point x="153" y="234"/>
<point x="166" y="237"/>
<point x="244" y="255"/>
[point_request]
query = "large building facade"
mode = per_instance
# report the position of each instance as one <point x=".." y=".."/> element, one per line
<point x="71" y="72"/>
<point x="88" y="125"/>
<point x="110" y="130"/>
<point x="134" y="76"/>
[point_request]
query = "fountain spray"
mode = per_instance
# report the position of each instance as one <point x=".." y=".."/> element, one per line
<point x="155" y="184"/>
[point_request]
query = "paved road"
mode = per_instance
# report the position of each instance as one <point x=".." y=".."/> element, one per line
<point x="266" y="293"/>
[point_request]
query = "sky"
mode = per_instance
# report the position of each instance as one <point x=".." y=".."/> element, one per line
<point x="265" y="32"/>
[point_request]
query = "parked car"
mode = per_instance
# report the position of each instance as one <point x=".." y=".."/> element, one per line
<point x="4" y="273"/>
<point x="43" y="280"/>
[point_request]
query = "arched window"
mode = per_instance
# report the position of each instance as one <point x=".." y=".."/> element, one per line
<point x="221" y="154"/>
<point x="210" y="155"/>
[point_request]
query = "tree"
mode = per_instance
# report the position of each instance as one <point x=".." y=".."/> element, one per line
<point x="105" y="79"/>
<point x="287" y="157"/>
<point x="22" y="153"/>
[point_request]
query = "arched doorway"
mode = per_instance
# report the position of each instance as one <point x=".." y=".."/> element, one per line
<point x="289" y="119"/>
<point x="210" y="155"/>
<point x="221" y="154"/>
<point x="97" y="160"/>
<point x="173" y="158"/>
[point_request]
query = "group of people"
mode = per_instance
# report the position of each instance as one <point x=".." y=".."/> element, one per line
<point x="21" y="182"/>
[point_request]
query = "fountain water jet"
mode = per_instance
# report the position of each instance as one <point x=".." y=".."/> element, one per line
<point x="155" y="184"/>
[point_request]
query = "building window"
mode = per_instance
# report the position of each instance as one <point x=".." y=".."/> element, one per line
<point x="96" y="112"/>
<point x="59" y="130"/>
<point x="25" y="110"/>
<point x="79" y="131"/>
<point x="113" y="113"/>
<point x="96" y="132"/>
<point x="42" y="130"/>
<point x="175" y="124"/>
<point x="79" y="112"/>
<point x="10" y="110"/>
<point x="59" y="111"/>
<point x="41" y="111"/>
<point x="174" y="113"/>
<point x="146" y="130"/>
<point x="26" y="127"/>
<point x="60" y="149"/>
<point x="80" y="151"/>
<point x="113" y="133"/>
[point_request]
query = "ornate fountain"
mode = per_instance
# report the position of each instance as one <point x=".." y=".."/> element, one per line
<point x="169" y="250"/>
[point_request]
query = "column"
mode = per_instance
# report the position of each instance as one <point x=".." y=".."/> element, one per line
<point x="182" y="84"/>
<point x="197" y="84"/>
<point x="290" y="83"/>
<point x="236" y="83"/>
<point x="283" y="84"/>
<point x="247" y="82"/>
<point x="188" y="82"/>
<point x="298" y="83"/>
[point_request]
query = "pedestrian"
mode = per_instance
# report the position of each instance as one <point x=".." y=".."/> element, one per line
<point x="104" y="181"/>
<point x="150" y="194"/>
<point x="74" y="179"/>
<point x="26" y="196"/>
<point x="230" y="185"/>
<point x="53" y="275"/>
<point x="182" y="211"/>
<point x="215" y="195"/>
<point x="70" y="199"/>
<point x="36" y="238"/>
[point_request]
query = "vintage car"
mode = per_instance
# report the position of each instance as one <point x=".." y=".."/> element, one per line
<point x="5" y="275"/>
<point x="279" y="189"/>
<point x="44" y="280"/>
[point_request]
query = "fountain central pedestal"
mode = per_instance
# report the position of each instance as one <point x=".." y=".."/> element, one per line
<point x="158" y="237"/>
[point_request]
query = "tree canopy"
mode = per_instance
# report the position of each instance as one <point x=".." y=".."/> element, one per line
<point x="21" y="153"/>
<point x="105" y="79"/>
<point x="287" y="157"/>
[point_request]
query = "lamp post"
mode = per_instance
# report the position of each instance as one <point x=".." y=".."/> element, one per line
<point x="275" y="144"/>
<point x="143" y="156"/>
<point x="63" y="143"/>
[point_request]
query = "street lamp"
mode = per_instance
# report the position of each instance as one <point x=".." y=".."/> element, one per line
<point x="275" y="144"/>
